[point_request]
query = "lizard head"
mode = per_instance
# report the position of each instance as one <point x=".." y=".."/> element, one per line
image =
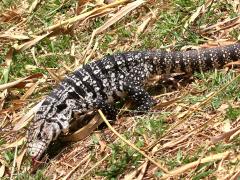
<point x="43" y="131"/>
<point x="40" y="135"/>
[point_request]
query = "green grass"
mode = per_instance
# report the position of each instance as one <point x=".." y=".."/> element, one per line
<point x="211" y="81"/>
<point x="122" y="158"/>
<point x="232" y="113"/>
<point x="152" y="126"/>
<point x="38" y="176"/>
<point x="53" y="60"/>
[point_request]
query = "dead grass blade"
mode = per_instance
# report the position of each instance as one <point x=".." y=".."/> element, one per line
<point x="142" y="169"/>
<point x="30" y="91"/>
<point x="149" y="17"/>
<point x="14" y="144"/>
<point x="34" y="56"/>
<point x="54" y="75"/>
<point x="94" y="166"/>
<point x="14" y="162"/>
<point x="3" y="166"/>
<point x="77" y="166"/>
<point x="8" y="62"/>
<point x="164" y="104"/>
<point x="19" y="160"/>
<point x="2" y="170"/>
<point x="8" y="35"/>
<point x="11" y="15"/>
<point x="125" y="10"/>
<point x="34" y="5"/>
<point x="139" y="172"/>
<point x="132" y="145"/>
<point x="12" y="84"/>
<point x="234" y="135"/>
<point x="30" y="43"/>
<point x="101" y="13"/>
<point x="3" y="95"/>
<point x="176" y="141"/>
<point x="3" y="121"/>
<point x="200" y="10"/>
<point x="226" y="24"/>
<point x="235" y="176"/>
<point x="236" y="6"/>
<point x="85" y="131"/>
<point x="225" y="135"/>
<point x="17" y="82"/>
<point x="191" y="165"/>
<point x="91" y="53"/>
<point x="26" y="118"/>
<point x="81" y="16"/>
<point x="231" y="64"/>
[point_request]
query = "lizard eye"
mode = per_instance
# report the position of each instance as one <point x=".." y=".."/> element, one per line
<point x="39" y="136"/>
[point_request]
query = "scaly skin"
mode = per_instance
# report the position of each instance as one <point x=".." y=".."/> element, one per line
<point x="97" y="84"/>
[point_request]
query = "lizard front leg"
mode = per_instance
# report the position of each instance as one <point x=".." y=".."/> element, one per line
<point x="133" y="86"/>
<point x="109" y="110"/>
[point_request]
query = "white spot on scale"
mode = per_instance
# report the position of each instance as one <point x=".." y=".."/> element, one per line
<point x="104" y="81"/>
<point x="96" y="71"/>
<point x="96" y="88"/>
<point x="119" y="62"/>
<point x="107" y="66"/>
<point x="85" y="78"/>
<point x="90" y="94"/>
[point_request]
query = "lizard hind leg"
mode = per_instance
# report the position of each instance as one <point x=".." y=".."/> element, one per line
<point x="142" y="99"/>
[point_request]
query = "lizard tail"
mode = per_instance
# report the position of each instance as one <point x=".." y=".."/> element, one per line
<point x="195" y="60"/>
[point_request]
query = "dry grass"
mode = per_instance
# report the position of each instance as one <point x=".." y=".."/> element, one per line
<point x="192" y="133"/>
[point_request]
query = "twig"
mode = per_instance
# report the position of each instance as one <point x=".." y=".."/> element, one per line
<point x="132" y="145"/>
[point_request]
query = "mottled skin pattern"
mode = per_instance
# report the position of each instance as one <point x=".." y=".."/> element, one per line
<point x="97" y="84"/>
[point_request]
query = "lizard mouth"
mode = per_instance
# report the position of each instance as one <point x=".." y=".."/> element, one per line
<point x="37" y="163"/>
